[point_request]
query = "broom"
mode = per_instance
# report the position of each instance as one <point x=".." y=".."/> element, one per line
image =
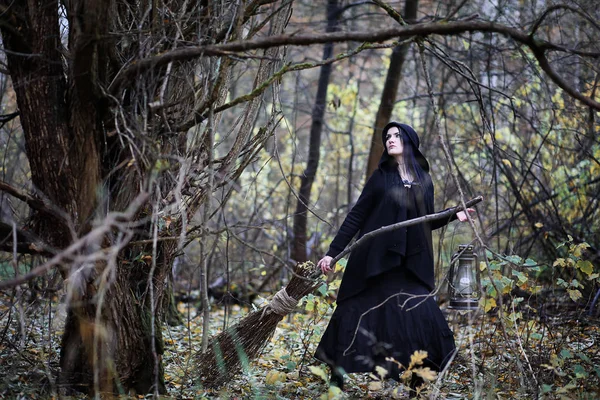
<point x="238" y="345"/>
<point x="241" y="343"/>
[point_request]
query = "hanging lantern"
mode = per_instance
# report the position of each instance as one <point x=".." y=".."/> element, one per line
<point x="463" y="279"/>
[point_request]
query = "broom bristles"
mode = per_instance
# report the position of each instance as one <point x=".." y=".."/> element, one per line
<point x="232" y="349"/>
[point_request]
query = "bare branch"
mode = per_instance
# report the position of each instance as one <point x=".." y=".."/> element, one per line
<point x="116" y="219"/>
<point x="389" y="228"/>
<point x="30" y="200"/>
<point x="199" y="118"/>
<point x="27" y="243"/>
<point x="539" y="47"/>
<point x="549" y="10"/>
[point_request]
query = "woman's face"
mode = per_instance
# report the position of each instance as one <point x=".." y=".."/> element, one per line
<point x="393" y="142"/>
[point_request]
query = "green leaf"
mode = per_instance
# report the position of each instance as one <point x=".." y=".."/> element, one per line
<point x="530" y="263"/>
<point x="585" y="266"/>
<point x="291" y="365"/>
<point x="575" y="283"/>
<point x="495" y="265"/>
<point x="561" y="282"/>
<point x="546" y="388"/>
<point x="517" y="300"/>
<point x="507" y="284"/>
<point x="536" y="336"/>
<point x="565" y="354"/>
<point x="520" y="276"/>
<point x="579" y="371"/>
<point x="322" y="289"/>
<point x="584" y="357"/>
<point x="514" y="259"/>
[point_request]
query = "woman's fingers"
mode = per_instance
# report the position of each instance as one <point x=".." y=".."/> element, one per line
<point x="325" y="264"/>
<point x="462" y="216"/>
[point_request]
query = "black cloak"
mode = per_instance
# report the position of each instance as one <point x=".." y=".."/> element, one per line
<point x="385" y="201"/>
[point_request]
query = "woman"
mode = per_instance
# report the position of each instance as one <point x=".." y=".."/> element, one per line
<point x="384" y="308"/>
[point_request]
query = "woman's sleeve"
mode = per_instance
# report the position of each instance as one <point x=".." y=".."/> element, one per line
<point x="438" y="223"/>
<point x="356" y="217"/>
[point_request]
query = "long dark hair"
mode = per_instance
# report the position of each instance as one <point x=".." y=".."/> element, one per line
<point x="413" y="159"/>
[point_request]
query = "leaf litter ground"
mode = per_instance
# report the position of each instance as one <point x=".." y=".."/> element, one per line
<point x="560" y="357"/>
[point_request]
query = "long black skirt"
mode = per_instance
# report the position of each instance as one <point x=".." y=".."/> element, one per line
<point x="392" y="318"/>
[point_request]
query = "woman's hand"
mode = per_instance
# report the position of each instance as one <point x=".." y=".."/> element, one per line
<point x="462" y="216"/>
<point x="325" y="264"/>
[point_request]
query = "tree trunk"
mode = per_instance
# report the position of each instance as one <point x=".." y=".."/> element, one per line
<point x="390" y="89"/>
<point x="312" y="165"/>
<point x="29" y="30"/>
<point x="119" y="346"/>
<point x="112" y="336"/>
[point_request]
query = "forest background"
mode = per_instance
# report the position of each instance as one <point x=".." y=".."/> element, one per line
<point x="165" y="164"/>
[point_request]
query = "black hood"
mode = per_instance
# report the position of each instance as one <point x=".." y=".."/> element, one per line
<point x="414" y="139"/>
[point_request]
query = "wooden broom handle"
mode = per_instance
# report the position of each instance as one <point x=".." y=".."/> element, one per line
<point x="389" y="228"/>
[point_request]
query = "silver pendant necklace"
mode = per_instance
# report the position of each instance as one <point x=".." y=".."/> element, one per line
<point x="404" y="173"/>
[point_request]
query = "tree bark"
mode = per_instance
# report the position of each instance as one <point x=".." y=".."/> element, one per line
<point x="390" y="89"/>
<point x="30" y="31"/>
<point x="299" y="253"/>
<point x="108" y="332"/>
<point x="116" y="346"/>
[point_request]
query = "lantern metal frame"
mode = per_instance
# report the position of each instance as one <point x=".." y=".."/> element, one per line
<point x="466" y="292"/>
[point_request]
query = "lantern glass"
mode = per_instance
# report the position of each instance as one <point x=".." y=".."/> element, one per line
<point x="463" y="281"/>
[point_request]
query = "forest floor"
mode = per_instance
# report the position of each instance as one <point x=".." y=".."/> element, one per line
<point x="556" y="358"/>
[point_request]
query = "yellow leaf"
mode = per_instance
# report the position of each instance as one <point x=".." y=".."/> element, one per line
<point x="506" y="162"/>
<point x="579" y="249"/>
<point x="397" y="393"/>
<point x="426" y="373"/>
<point x="539" y="225"/>
<point x="274" y="376"/>
<point x="488" y="303"/>
<point x="333" y="393"/>
<point x="318" y="371"/>
<point x="406" y="375"/>
<point x="310" y="305"/>
<point x="417" y="358"/>
<point x="574" y="294"/>
<point x="382" y="372"/>
<point x="560" y="262"/>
